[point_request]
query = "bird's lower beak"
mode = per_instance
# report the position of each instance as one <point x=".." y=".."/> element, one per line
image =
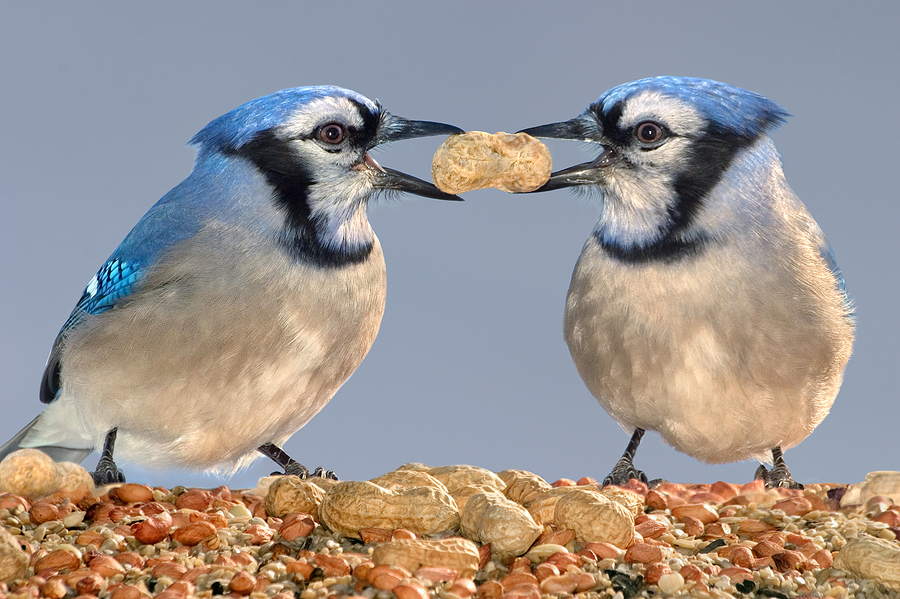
<point x="581" y="128"/>
<point x="396" y="128"/>
<point x="388" y="178"/>
<point x="586" y="173"/>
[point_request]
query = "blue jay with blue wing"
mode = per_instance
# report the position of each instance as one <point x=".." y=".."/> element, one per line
<point x="240" y="303"/>
<point x="706" y="304"/>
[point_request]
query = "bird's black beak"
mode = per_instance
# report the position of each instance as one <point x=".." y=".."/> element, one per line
<point x="581" y="128"/>
<point x="396" y="128"/>
<point x="573" y="130"/>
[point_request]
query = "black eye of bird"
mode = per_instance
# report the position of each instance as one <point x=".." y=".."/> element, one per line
<point x="649" y="132"/>
<point x="332" y="133"/>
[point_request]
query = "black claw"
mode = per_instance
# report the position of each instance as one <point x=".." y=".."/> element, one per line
<point x="293" y="468"/>
<point x="107" y="472"/>
<point x="779" y="475"/>
<point x="624" y="469"/>
<point x="622" y="473"/>
<point x="322" y="473"/>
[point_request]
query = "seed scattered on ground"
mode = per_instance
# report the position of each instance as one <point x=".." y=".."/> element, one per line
<point x="704" y="541"/>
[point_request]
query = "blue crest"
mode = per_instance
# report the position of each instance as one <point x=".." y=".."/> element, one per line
<point x="743" y="112"/>
<point x="234" y="129"/>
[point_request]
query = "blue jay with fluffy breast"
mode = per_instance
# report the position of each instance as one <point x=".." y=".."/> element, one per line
<point x="706" y="304"/>
<point x="240" y="303"/>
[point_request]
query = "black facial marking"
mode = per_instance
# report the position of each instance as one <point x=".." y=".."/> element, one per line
<point x="711" y="155"/>
<point x="609" y="123"/>
<point x="668" y="249"/>
<point x="291" y="180"/>
<point x="370" y="122"/>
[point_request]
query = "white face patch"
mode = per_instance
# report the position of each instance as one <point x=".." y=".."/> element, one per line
<point x="321" y="111"/>
<point x="681" y="118"/>
<point x="339" y="204"/>
<point x="338" y="192"/>
<point x="638" y="200"/>
<point x="635" y="212"/>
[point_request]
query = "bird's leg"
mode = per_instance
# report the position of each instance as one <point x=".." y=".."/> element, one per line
<point x="779" y="475"/>
<point x="107" y="472"/>
<point x="290" y="465"/>
<point x="277" y="455"/>
<point x="624" y="469"/>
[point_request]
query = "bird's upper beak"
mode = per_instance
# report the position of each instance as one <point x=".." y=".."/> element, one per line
<point x="396" y="128"/>
<point x="581" y="128"/>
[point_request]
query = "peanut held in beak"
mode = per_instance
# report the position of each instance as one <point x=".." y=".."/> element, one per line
<point x="514" y="163"/>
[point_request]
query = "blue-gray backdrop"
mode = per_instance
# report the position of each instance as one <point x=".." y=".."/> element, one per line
<point x="98" y="100"/>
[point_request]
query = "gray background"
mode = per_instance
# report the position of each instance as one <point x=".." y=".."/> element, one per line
<point x="98" y="100"/>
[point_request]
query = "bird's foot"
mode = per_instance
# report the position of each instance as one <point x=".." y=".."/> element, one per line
<point x="297" y="469"/>
<point x="107" y="473"/>
<point x="623" y="472"/>
<point x="322" y="473"/>
<point x="776" y="477"/>
<point x="624" y="469"/>
<point x="293" y="468"/>
<point x="779" y="475"/>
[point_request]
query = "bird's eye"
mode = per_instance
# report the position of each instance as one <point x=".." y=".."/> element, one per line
<point x="332" y="133"/>
<point x="649" y="132"/>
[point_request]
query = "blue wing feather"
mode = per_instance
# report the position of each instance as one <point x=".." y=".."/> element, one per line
<point x="182" y="211"/>
<point x="175" y="217"/>
<point x="113" y="282"/>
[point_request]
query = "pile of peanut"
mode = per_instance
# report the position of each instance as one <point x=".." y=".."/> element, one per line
<point x="456" y="532"/>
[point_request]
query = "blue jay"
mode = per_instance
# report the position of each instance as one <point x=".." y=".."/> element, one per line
<point x="240" y="303"/>
<point x="706" y="304"/>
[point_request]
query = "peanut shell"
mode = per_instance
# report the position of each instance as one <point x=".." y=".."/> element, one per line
<point x="594" y="517"/>
<point x="526" y="487"/>
<point x="461" y="495"/>
<point x="29" y="473"/>
<point x="462" y="475"/>
<point x="290" y="494"/>
<point x="13" y="559"/>
<point x="490" y="517"/>
<point x="407" y="479"/>
<point x="475" y="160"/>
<point x="543" y="506"/>
<point x="868" y="557"/>
<point x="455" y="553"/>
<point x="354" y="505"/>
<point x="633" y="502"/>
